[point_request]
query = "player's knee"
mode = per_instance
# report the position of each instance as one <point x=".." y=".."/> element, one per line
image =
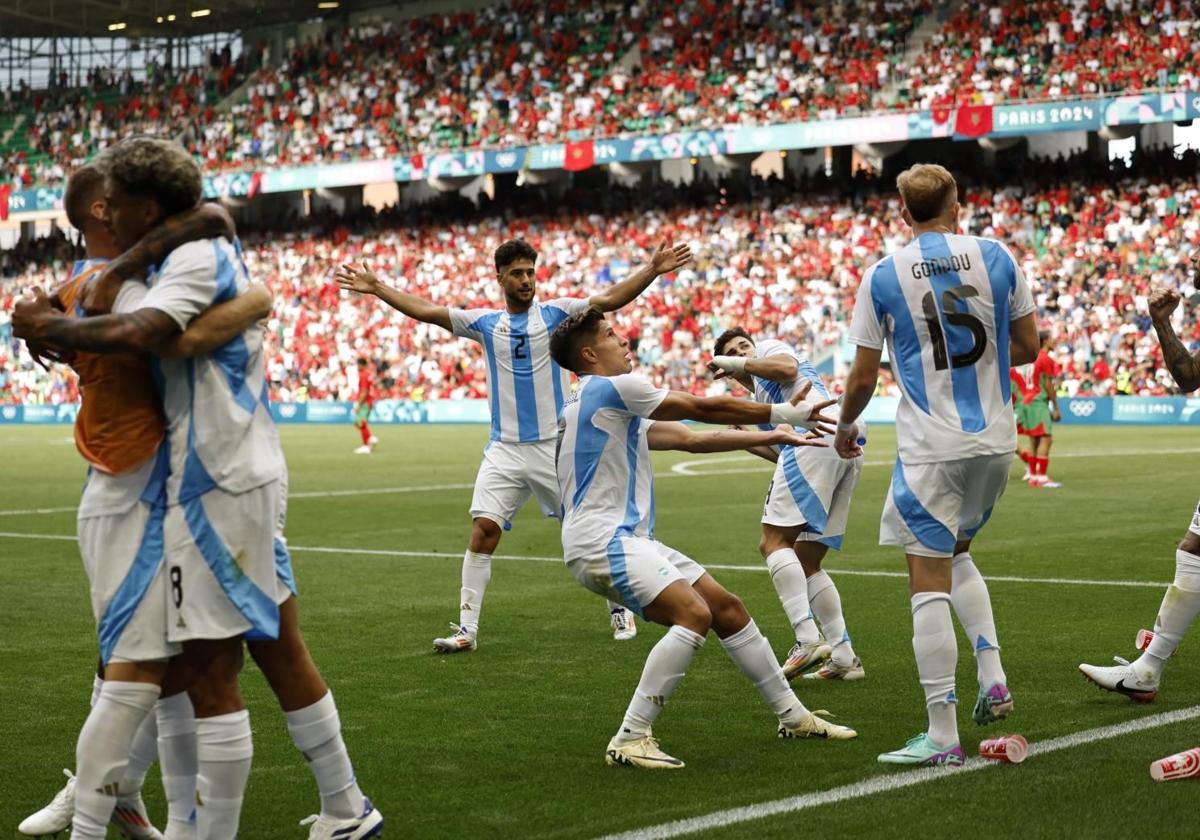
<point x="729" y="613"/>
<point x="695" y="616"/>
<point x="484" y="530"/>
<point x="1190" y="543"/>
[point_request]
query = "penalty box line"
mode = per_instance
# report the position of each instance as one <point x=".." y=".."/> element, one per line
<point x="892" y="781"/>
<point x="720" y="567"/>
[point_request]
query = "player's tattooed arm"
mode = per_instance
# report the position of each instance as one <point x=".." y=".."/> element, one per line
<point x="665" y="260"/>
<point x="1184" y="366"/>
<point x="37" y="322"/>
<point x="205" y="221"/>
<point x="217" y="326"/>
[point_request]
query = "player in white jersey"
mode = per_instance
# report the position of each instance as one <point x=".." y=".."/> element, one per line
<point x="956" y="314"/>
<point x="805" y="514"/>
<point x="526" y="390"/>
<point x="1139" y="680"/>
<point x="606" y="483"/>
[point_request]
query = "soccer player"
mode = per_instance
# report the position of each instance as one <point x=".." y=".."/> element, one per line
<point x="808" y="503"/>
<point x="1041" y="411"/>
<point x="1025" y="446"/>
<point x="527" y="389"/>
<point x="1139" y="680"/>
<point x="606" y="482"/>
<point x="362" y="408"/>
<point x="216" y="523"/>
<point x="956" y="314"/>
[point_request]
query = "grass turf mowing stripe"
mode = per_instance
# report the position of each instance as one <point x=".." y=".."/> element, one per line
<point x="721" y="567"/>
<point x="892" y="781"/>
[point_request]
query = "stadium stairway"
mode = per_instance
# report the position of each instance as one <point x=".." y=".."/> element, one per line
<point x="917" y="41"/>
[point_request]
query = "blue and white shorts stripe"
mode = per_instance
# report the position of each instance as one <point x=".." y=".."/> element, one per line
<point x="812" y="489"/>
<point x="634" y="570"/>
<point x="930" y="507"/>
<point x="123" y="557"/>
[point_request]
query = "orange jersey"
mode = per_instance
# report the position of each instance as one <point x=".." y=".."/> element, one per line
<point x="120" y="422"/>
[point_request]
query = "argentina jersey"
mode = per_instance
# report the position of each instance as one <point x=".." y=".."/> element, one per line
<point x="526" y="388"/>
<point x="943" y="304"/>
<point x="219" y="426"/>
<point x="605" y="478"/>
<point x="771" y="391"/>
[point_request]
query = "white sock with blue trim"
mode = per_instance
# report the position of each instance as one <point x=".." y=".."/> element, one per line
<point x="973" y="605"/>
<point x="665" y="666"/>
<point x="790" y="583"/>
<point x="476" y="572"/>
<point x="936" y="652"/>
<point x="316" y="731"/>
<point x="827" y="606"/>
<point x="751" y="652"/>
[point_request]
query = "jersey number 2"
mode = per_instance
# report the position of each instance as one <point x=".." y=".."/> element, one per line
<point x="950" y="297"/>
<point x="519" y="347"/>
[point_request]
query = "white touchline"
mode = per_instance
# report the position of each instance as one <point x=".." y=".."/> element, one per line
<point x="892" y="781"/>
<point x="722" y="567"/>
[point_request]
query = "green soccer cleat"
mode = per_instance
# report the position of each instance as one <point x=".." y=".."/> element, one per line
<point x="921" y="750"/>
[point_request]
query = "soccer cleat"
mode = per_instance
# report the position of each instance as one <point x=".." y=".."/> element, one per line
<point x="812" y="726"/>
<point x="805" y="655"/>
<point x="373" y="441"/>
<point x="56" y="816"/>
<point x="129" y="817"/>
<point x="1050" y="485"/>
<point x="921" y="750"/>
<point x="1121" y="679"/>
<point x="363" y="450"/>
<point x="1028" y="475"/>
<point x="623" y="625"/>
<point x="180" y="830"/>
<point x="832" y="670"/>
<point x="325" y="827"/>
<point x="643" y="752"/>
<point x="459" y="641"/>
<point x="993" y="704"/>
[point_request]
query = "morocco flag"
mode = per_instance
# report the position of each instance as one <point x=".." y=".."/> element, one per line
<point x="579" y="156"/>
<point x="973" y="120"/>
<point x="5" y="189"/>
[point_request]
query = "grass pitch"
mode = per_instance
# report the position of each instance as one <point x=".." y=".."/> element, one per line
<point x="508" y="741"/>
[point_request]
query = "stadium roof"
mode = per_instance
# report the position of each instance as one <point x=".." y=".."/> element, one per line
<point x="93" y="18"/>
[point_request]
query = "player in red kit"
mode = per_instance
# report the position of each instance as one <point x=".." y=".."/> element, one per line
<point x="362" y="407"/>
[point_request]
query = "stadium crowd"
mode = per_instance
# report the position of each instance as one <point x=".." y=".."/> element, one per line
<point x="535" y="72"/>
<point x="779" y="257"/>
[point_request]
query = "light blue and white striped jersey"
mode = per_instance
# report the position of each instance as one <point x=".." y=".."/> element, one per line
<point x="526" y="388"/>
<point x="943" y="304"/>
<point x="605" y="478"/>
<point x="219" y="427"/>
<point x="771" y="391"/>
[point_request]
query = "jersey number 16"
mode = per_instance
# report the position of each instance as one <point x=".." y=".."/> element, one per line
<point x="941" y="359"/>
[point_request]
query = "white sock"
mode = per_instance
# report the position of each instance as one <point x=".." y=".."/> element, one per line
<point x="827" y="606"/>
<point x="788" y="576"/>
<point x="317" y="732"/>
<point x="224" y="750"/>
<point x="177" y="758"/>
<point x="973" y="605"/>
<point x="97" y="685"/>
<point x="1179" y="608"/>
<point x="142" y="754"/>
<point x="103" y="753"/>
<point x="476" y="572"/>
<point x="751" y="652"/>
<point x="937" y="654"/>
<point x="665" y="666"/>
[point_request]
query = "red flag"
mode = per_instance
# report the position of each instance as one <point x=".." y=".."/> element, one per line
<point x="941" y="115"/>
<point x="417" y="162"/>
<point x="255" y="184"/>
<point x="579" y="156"/>
<point x="973" y="120"/>
<point x="5" y="189"/>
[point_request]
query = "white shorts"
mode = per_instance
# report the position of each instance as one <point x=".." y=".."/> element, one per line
<point x="123" y="557"/>
<point x="223" y="560"/>
<point x="634" y="571"/>
<point x="930" y="507"/>
<point x="509" y="474"/>
<point x="812" y="489"/>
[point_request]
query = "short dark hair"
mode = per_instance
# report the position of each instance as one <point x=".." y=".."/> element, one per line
<point x="728" y="336"/>
<point x="362" y="361"/>
<point x="82" y="188"/>
<point x="513" y="250"/>
<point x="161" y="169"/>
<point x="569" y="336"/>
<point x="1043" y="336"/>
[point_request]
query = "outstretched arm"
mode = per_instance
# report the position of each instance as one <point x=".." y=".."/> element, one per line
<point x="205" y="221"/>
<point x="781" y="367"/>
<point x="680" y="437"/>
<point x="363" y="281"/>
<point x="38" y="322"/>
<point x="679" y="405"/>
<point x="219" y="325"/>
<point x="1184" y="366"/>
<point x="664" y="261"/>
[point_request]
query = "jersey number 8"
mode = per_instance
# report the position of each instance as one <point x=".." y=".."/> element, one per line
<point x="941" y="359"/>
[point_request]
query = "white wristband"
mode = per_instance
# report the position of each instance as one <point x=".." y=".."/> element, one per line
<point x="846" y="427"/>
<point x="730" y="364"/>
<point x="793" y="415"/>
